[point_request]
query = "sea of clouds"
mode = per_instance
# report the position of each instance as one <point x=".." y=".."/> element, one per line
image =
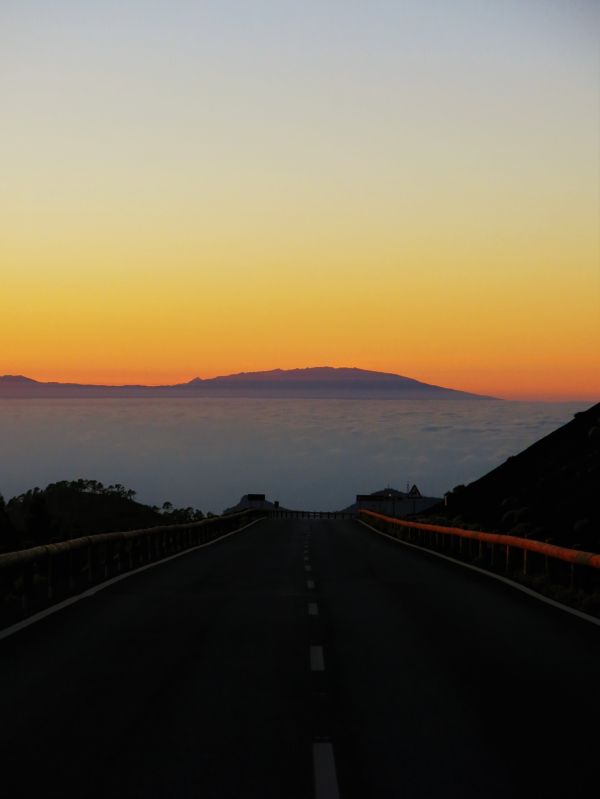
<point x="311" y="454"/>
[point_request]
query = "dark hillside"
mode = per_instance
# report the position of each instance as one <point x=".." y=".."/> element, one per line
<point x="67" y="510"/>
<point x="550" y="491"/>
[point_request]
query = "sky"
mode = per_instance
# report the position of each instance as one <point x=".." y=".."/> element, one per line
<point x="200" y="188"/>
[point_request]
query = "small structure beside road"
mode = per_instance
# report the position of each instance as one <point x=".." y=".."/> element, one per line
<point x="253" y="502"/>
<point x="391" y="502"/>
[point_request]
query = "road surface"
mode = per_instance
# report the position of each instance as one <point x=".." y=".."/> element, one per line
<point x="301" y="659"/>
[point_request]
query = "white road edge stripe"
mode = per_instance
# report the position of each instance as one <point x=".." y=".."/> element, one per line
<point x="529" y="591"/>
<point x="326" y="784"/>
<point x="14" y="628"/>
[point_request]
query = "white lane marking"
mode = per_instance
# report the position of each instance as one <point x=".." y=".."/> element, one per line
<point x="308" y="567"/>
<point x="317" y="661"/>
<point x="14" y="628"/>
<point x="326" y="784"/>
<point x="530" y="592"/>
<point x="313" y="609"/>
<point x="310" y="584"/>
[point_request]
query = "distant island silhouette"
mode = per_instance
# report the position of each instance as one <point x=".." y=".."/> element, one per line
<point x="321" y="382"/>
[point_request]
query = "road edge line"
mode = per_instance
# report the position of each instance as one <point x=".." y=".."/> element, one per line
<point x="523" y="588"/>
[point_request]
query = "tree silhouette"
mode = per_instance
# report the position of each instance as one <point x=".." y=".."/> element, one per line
<point x="39" y="523"/>
<point x="9" y="538"/>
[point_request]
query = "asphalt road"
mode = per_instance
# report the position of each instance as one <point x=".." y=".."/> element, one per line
<point x="301" y="659"/>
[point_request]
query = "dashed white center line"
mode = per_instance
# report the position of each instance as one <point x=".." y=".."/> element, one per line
<point x="317" y="662"/>
<point x="313" y="609"/>
<point x="310" y="584"/>
<point x="326" y="784"/>
<point x="308" y="567"/>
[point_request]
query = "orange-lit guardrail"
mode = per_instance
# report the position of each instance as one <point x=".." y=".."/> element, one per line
<point x="31" y="579"/>
<point x="546" y="564"/>
<point x="574" y="556"/>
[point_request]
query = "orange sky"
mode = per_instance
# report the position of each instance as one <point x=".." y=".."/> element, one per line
<point x="188" y="199"/>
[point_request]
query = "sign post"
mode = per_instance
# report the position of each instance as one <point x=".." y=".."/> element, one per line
<point x="414" y="494"/>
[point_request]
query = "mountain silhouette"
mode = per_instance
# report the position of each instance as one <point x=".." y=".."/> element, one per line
<point x="319" y="382"/>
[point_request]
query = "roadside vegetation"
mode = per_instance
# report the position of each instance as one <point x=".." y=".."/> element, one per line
<point x="70" y="509"/>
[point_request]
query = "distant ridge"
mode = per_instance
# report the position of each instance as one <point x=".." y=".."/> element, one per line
<point x="326" y="382"/>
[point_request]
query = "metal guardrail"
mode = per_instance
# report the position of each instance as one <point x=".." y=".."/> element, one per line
<point x="494" y="550"/>
<point x="310" y="514"/>
<point x="31" y="579"/>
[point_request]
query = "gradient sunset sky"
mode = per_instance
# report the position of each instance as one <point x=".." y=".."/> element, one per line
<point x="199" y="188"/>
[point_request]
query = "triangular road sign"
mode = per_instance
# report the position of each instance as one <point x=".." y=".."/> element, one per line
<point x="414" y="493"/>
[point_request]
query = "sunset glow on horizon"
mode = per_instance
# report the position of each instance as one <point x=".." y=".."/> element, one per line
<point x="199" y="189"/>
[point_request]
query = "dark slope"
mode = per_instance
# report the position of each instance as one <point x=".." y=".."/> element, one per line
<point x="67" y="510"/>
<point x="319" y="382"/>
<point x="548" y="491"/>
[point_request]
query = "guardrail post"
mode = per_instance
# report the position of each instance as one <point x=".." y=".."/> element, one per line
<point x="90" y="562"/>
<point x="26" y="586"/>
<point x="107" y="559"/>
<point x="507" y="558"/>
<point x="50" y="577"/>
<point x="70" y="570"/>
<point x="524" y="561"/>
<point x="117" y="555"/>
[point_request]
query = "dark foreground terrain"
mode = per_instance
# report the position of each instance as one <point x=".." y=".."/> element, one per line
<point x="204" y="677"/>
<point x="549" y="491"/>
